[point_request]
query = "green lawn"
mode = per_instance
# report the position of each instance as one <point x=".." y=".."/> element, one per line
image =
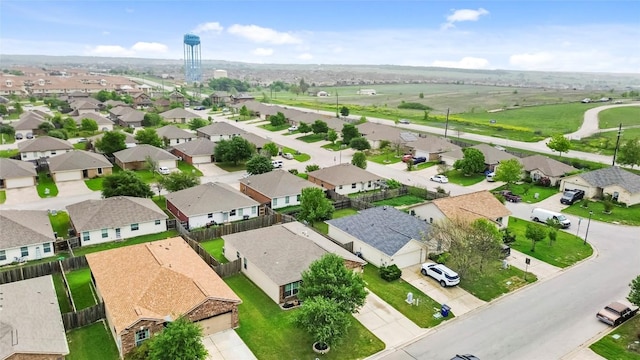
<point x="604" y="142"/>
<point x="611" y="348"/>
<point x="269" y="332"/>
<point x="95" y="184"/>
<point x="529" y="197"/>
<point x="496" y="281"/>
<point x="214" y="248"/>
<point x="565" y="251"/>
<point x="117" y="244"/>
<point x="619" y="215"/>
<point x="388" y="157"/>
<point x="148" y="176"/>
<point x="45" y="182"/>
<point x="424" y="165"/>
<point x="323" y="227"/>
<point x="63" y="300"/>
<point x="80" y="146"/>
<point x="311" y="138"/>
<point x="457" y="177"/>
<point x="188" y="168"/>
<point x="3" y="196"/>
<point x="275" y="128"/>
<point x="60" y="223"/>
<point x="92" y="342"/>
<point x="299" y="157"/>
<point x="9" y="153"/>
<point x="395" y="294"/>
<point x="627" y="115"/>
<point x="231" y="167"/>
<point x="81" y="288"/>
<point x="333" y="147"/>
<point x="7" y="139"/>
<point x="403" y="200"/>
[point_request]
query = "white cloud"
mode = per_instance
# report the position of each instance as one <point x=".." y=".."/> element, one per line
<point x="464" y="15"/>
<point x="531" y="60"/>
<point x="213" y="27"/>
<point x="262" y="52"/>
<point x="263" y="35"/>
<point x="305" y="56"/>
<point x="142" y="46"/>
<point x="464" y="63"/>
<point x="110" y="50"/>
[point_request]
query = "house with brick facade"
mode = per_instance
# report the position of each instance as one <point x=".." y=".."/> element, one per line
<point x="345" y="179"/>
<point x="179" y="115"/>
<point x="79" y="165"/>
<point x="274" y="257"/>
<point x="219" y="131"/>
<point x="198" y="151"/>
<point x="146" y="286"/>
<point x="172" y="135"/>
<point x="135" y="158"/>
<point x="43" y="147"/>
<point x="275" y="189"/>
<point x="25" y="235"/>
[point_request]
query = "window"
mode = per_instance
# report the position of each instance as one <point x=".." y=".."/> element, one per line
<point x="245" y="263"/>
<point x="238" y="254"/>
<point x="254" y="209"/>
<point x="99" y="171"/>
<point x="298" y="198"/>
<point x="232" y="212"/>
<point x="340" y="187"/>
<point x="134" y="227"/>
<point x="291" y="289"/>
<point x="210" y="215"/>
<point x="353" y="186"/>
<point x="3" y="255"/>
<point x="499" y="220"/>
<point x="286" y="199"/>
<point x="369" y="185"/>
<point x="240" y="212"/>
<point x="157" y="222"/>
<point x="24" y="251"/>
<point x="85" y="236"/>
<point x="141" y="336"/>
<point x="275" y="202"/>
<point x="105" y="233"/>
<point x="46" y="247"/>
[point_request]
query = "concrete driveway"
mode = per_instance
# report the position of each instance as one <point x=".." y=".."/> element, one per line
<point x="21" y="195"/>
<point x="210" y="169"/>
<point x="71" y="188"/>
<point x="226" y="345"/>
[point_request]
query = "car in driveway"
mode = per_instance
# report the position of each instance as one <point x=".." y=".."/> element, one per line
<point x="419" y="160"/>
<point x="616" y="313"/>
<point x="164" y="170"/>
<point x="29" y="135"/>
<point x="439" y="178"/>
<point x="288" y="156"/>
<point x="440" y="273"/>
<point x="293" y="128"/>
<point x="199" y="107"/>
<point x="404" y="121"/>
<point x="19" y="136"/>
<point x="509" y="196"/>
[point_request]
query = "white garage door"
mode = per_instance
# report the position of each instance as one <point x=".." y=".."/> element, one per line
<point x="68" y="175"/>
<point x="569" y="186"/>
<point x="215" y="324"/>
<point x="19" y="182"/>
<point x="171" y="164"/>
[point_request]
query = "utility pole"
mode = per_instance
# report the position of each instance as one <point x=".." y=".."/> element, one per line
<point x="615" y="152"/>
<point x="337" y="112"/>
<point x="446" y="126"/>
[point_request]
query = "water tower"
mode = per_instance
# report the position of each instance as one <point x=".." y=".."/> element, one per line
<point x="192" y="59"/>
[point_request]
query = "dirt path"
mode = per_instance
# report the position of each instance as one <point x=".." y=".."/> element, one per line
<point x="590" y="122"/>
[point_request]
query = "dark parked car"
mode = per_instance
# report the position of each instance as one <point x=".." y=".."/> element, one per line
<point x="419" y="159"/>
<point x="199" y="108"/>
<point x="509" y="196"/>
<point x="571" y="196"/>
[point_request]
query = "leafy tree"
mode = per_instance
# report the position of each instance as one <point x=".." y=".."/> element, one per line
<point x="151" y="119"/>
<point x="319" y="127"/>
<point x="103" y="95"/>
<point x="125" y="183"/>
<point x="323" y="320"/>
<point x="234" y="150"/>
<point x="303" y="86"/>
<point x="344" y="111"/>
<point x="244" y="112"/>
<point x="304" y="128"/>
<point x="534" y="233"/>
<point x="277" y="120"/>
<point x="359" y="159"/>
<point x="197" y="123"/>
<point x="18" y="108"/>
<point x="330" y="279"/>
<point x="151" y="164"/>
<point x="259" y="164"/>
<point x="149" y="136"/>
<point x="178" y="180"/>
<point x="70" y="125"/>
<point x="270" y="148"/>
<point x="349" y="131"/>
<point x="89" y="125"/>
<point x="559" y="143"/>
<point x="471" y="163"/>
<point x="314" y="205"/>
<point x="629" y="153"/>
<point x="3" y="109"/>
<point x="312" y="167"/>
<point x="509" y="171"/>
<point x="421" y="95"/>
<point x="181" y="339"/>
<point x="359" y="143"/>
<point x="552" y="234"/>
<point x="634" y="294"/>
<point x="7" y="129"/>
<point x="60" y="134"/>
<point x="46" y="126"/>
<point x="111" y="142"/>
<point x="332" y="136"/>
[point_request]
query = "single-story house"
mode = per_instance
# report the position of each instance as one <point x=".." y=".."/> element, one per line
<point x="177" y="97"/>
<point x="198" y="151"/>
<point x="539" y="166"/>
<point x="31" y="326"/>
<point x="345" y="179"/>
<point x="173" y="135"/>
<point x="135" y="158"/>
<point x="274" y="257"/>
<point x="276" y="189"/>
<point x="43" y="147"/>
<point x="79" y="165"/>
<point x="383" y="236"/>
<point x="25" y="235"/>
<point x="146" y="286"/>
<point x="28" y="123"/>
<point x="257" y="141"/>
<point x="468" y="207"/>
<point x="622" y="185"/>
<point x="83" y="106"/>
<point x="17" y="174"/>
<point x="241" y="98"/>
<point x="219" y="131"/>
<point x="162" y="104"/>
<point x="375" y="133"/>
<point x="115" y="218"/>
<point x="210" y="204"/>
<point x="104" y="124"/>
<point x="492" y="156"/>
<point x="430" y="147"/>
<point x="118" y="110"/>
<point x="131" y="119"/>
<point x="179" y="115"/>
<point x="129" y="139"/>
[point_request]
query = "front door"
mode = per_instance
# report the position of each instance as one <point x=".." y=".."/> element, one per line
<point x="117" y="233"/>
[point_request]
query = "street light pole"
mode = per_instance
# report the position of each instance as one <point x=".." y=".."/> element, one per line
<point x="446" y="126"/>
<point x="588" y="223"/>
<point x="615" y="152"/>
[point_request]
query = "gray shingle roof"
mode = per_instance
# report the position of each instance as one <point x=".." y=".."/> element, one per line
<point x="179" y="113"/>
<point x="174" y="132"/>
<point x="220" y="128"/>
<point x="24" y="227"/>
<point x="277" y="183"/>
<point x="343" y="174"/>
<point x="132" y="116"/>
<point x="44" y="143"/>
<point x="40" y="329"/>
<point x="99" y="119"/>
<point x="375" y="131"/>
<point x="78" y="160"/>
<point x="492" y="155"/>
<point x="30" y="121"/>
<point x="254" y="139"/>
<point x="209" y="198"/>
<point x="613" y="176"/>
<point x="546" y="165"/>
<point x="113" y="212"/>
<point x="432" y="144"/>
<point x="384" y="227"/>
<point x="140" y="153"/>
<point x="10" y="168"/>
<point x="199" y="146"/>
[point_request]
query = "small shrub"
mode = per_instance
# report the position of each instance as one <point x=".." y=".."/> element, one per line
<point x="508" y="237"/>
<point x="393" y="184"/>
<point x="584" y="203"/>
<point x="442" y="258"/>
<point x="440" y="190"/>
<point x="390" y="273"/>
<point x="608" y="205"/>
<point x="293" y="171"/>
<point x="544" y="181"/>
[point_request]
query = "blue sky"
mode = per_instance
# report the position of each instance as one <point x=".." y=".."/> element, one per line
<point x="551" y="35"/>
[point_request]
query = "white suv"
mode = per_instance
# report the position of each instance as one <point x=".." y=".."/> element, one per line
<point x="442" y="274"/>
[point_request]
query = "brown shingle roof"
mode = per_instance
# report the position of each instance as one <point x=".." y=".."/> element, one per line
<point x="199" y="146"/>
<point x="113" y="212"/>
<point x="277" y="183"/>
<point x="174" y="132"/>
<point x="209" y="198"/>
<point x="78" y="160"/>
<point x="24" y="227"/>
<point x="31" y="121"/>
<point x="140" y="153"/>
<point x="99" y="119"/>
<point x="546" y="165"/>
<point x="220" y="128"/>
<point x="481" y="204"/>
<point x="44" y="143"/>
<point x="154" y="280"/>
<point x="10" y="168"/>
<point x="179" y="113"/>
<point x="343" y="174"/>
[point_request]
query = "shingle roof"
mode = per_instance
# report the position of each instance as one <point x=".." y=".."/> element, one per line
<point x="342" y="174"/>
<point x="284" y="251"/>
<point x="99" y="119"/>
<point x="375" y="131"/>
<point x="491" y="154"/>
<point x="220" y="128"/>
<point x="78" y="160"/>
<point x="179" y="113"/>
<point x="121" y="110"/>
<point x="113" y="212"/>
<point x="129" y="138"/>
<point x="30" y="121"/>
<point x="174" y="132"/>
<point x="254" y="139"/>
<point x="384" y="227"/>
<point x="132" y="116"/>
<point x="31" y="321"/>
<point x="546" y="165"/>
<point x="154" y="280"/>
<point x="10" y="169"/>
<point x="277" y="183"/>
<point x="24" y="227"/>
<point x="432" y="144"/>
<point x="84" y="105"/>
<point x="140" y="153"/>
<point x="209" y="198"/>
<point x="44" y="143"/>
<point x="199" y="146"/>
<point x="480" y="204"/>
<point x="613" y="176"/>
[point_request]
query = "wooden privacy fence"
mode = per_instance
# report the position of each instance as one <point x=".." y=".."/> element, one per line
<point x="76" y="319"/>
<point x="234" y="227"/>
<point x="31" y="271"/>
<point x="228" y="269"/>
<point x="223" y="270"/>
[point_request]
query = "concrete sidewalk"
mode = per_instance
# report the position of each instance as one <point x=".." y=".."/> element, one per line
<point x="539" y="268"/>
<point x="226" y="345"/>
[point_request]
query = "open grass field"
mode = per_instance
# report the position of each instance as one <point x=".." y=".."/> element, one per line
<point x="611" y="348"/>
<point x="269" y="331"/>
<point x="92" y="342"/>
<point x="81" y="288"/>
<point x="604" y="142"/>
<point x="188" y="168"/>
<point x="619" y="214"/>
<point x="611" y="118"/>
<point x="496" y="281"/>
<point x="132" y="241"/>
